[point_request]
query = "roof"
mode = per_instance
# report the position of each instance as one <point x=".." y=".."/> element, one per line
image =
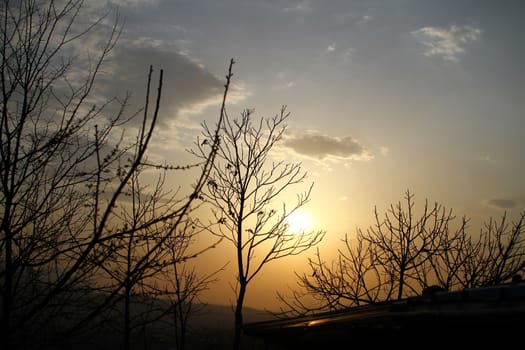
<point x="495" y="313"/>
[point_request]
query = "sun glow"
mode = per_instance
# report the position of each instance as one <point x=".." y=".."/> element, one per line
<point x="298" y="222"/>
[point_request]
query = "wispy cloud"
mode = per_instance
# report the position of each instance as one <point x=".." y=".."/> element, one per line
<point x="330" y="48"/>
<point x="338" y="54"/>
<point x="447" y="43"/>
<point x="364" y="19"/>
<point x="284" y="80"/>
<point x="321" y="146"/>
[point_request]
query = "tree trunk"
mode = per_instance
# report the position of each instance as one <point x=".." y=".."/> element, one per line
<point x="238" y="316"/>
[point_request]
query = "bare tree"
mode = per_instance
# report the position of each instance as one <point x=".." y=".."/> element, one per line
<point x="350" y="280"/>
<point x="149" y="255"/>
<point x="49" y="145"/>
<point x="179" y="282"/>
<point x="136" y="257"/>
<point x="405" y="252"/>
<point x="242" y="188"/>
<point x="402" y="243"/>
<point x="496" y="256"/>
<point x="66" y="166"/>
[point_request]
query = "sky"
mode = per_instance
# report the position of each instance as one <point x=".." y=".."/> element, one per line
<point x="384" y="97"/>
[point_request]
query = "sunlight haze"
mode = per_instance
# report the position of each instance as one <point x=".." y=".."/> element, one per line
<point x="299" y="221"/>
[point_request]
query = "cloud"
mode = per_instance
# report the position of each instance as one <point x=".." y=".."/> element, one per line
<point x="334" y="54"/>
<point x="187" y="85"/>
<point x="330" y="48"/>
<point x="502" y="203"/>
<point x="447" y="43"/>
<point x="284" y="80"/>
<point x="364" y="19"/>
<point x="322" y="146"/>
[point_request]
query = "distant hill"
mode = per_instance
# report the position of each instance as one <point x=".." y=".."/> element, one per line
<point x="210" y="326"/>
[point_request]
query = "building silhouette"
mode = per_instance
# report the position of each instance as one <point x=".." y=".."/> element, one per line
<point x="471" y="318"/>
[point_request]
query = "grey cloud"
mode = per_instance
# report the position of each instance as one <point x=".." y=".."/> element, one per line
<point x="502" y="203"/>
<point x="447" y="43"/>
<point x="186" y="84"/>
<point x="323" y="146"/>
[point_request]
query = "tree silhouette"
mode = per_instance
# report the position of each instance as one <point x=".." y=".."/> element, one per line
<point x="68" y="171"/>
<point x="406" y="252"/>
<point x="182" y="284"/>
<point x="242" y="188"/>
<point x="496" y="256"/>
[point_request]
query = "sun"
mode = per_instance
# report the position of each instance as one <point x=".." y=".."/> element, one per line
<point x="298" y="222"/>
